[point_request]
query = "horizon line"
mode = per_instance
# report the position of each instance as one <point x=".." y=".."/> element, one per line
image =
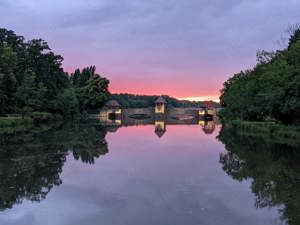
<point x="214" y="98"/>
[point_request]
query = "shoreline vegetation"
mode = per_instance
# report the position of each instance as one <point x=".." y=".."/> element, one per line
<point x="270" y="131"/>
<point x="34" y="85"/>
<point x="265" y="101"/>
<point x="11" y="126"/>
<point x="36" y="94"/>
<point x="35" y="90"/>
<point x="268" y="92"/>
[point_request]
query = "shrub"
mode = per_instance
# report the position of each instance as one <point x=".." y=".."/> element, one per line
<point x="14" y="122"/>
<point x="41" y="117"/>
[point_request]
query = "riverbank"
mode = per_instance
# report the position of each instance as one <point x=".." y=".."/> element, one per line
<point x="269" y="130"/>
<point x="36" y="122"/>
<point x="12" y="125"/>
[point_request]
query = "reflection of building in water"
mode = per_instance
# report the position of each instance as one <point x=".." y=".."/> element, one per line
<point x="112" y="116"/>
<point x="160" y="128"/>
<point x="201" y="123"/>
<point x="160" y="105"/>
<point x="202" y="111"/>
<point x="209" y="127"/>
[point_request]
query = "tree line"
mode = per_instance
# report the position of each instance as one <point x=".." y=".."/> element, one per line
<point x="144" y="101"/>
<point x="269" y="91"/>
<point x="33" y="83"/>
<point x="32" y="80"/>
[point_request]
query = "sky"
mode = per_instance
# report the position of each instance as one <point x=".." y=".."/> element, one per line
<point x="182" y="48"/>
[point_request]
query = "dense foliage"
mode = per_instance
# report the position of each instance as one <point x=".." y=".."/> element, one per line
<point x="271" y="167"/>
<point x="269" y="91"/>
<point x="32" y="80"/>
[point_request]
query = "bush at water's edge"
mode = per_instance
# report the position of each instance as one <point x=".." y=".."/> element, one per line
<point x="269" y="130"/>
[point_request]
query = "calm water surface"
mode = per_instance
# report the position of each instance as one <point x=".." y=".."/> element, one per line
<point x="90" y="175"/>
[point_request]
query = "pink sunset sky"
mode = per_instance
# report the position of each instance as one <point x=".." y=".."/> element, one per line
<point x="182" y="48"/>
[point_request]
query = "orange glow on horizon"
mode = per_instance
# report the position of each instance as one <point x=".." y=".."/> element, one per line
<point x="214" y="98"/>
<point x="174" y="89"/>
<point x="182" y="89"/>
<point x="182" y="94"/>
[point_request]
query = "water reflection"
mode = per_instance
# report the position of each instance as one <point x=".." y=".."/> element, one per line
<point x="30" y="165"/>
<point x="160" y="123"/>
<point x="272" y="167"/>
<point x="160" y="128"/>
<point x="177" y="178"/>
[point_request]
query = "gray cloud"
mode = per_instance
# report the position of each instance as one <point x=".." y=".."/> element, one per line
<point x="159" y="38"/>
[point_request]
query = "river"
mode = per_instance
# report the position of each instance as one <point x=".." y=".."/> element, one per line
<point x="182" y="174"/>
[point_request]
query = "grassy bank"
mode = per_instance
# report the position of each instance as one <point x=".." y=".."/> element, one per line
<point x="35" y="122"/>
<point x="12" y="125"/>
<point x="269" y="130"/>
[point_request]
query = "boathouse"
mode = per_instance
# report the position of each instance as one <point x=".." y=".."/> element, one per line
<point x="160" y="105"/>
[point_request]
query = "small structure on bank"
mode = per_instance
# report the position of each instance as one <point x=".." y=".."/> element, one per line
<point x="111" y="113"/>
<point x="112" y="104"/>
<point x="208" y="110"/>
<point x="160" y="105"/>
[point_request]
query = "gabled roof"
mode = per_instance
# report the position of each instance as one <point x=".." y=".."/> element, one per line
<point x="112" y="103"/>
<point x="209" y="104"/>
<point x="160" y="133"/>
<point x="160" y="100"/>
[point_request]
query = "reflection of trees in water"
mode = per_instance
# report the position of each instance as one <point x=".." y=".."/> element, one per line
<point x="273" y="168"/>
<point x="30" y="169"/>
<point x="85" y="142"/>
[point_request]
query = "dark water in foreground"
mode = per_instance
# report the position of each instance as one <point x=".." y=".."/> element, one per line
<point x="89" y="175"/>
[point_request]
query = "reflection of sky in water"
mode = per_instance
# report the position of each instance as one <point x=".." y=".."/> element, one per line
<point x="176" y="179"/>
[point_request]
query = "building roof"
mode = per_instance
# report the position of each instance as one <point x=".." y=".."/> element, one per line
<point x="160" y="100"/>
<point x="160" y="133"/>
<point x="112" y="103"/>
<point x="209" y="104"/>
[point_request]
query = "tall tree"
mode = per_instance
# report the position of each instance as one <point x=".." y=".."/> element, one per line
<point x="270" y="90"/>
<point x="91" y="89"/>
<point x="32" y="79"/>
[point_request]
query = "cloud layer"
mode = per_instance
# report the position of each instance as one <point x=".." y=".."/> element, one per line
<point x="177" y="47"/>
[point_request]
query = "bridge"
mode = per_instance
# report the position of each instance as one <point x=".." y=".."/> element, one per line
<point x="113" y="116"/>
